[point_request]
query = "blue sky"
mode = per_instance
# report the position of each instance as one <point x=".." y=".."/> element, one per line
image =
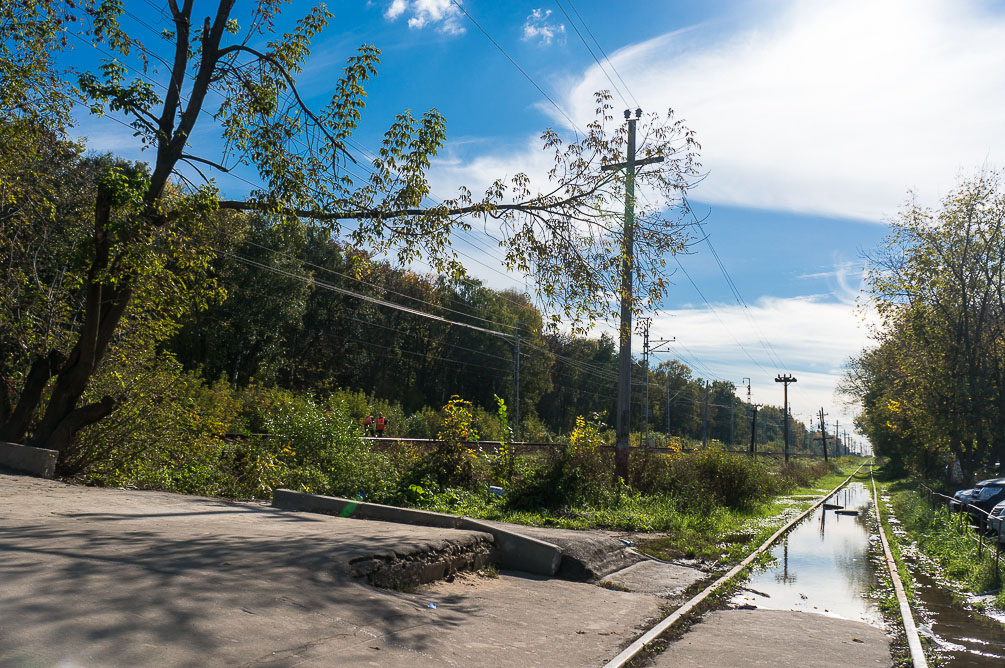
<point x="815" y="118"/>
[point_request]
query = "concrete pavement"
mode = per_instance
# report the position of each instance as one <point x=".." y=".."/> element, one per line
<point x="107" y="577"/>
<point x="777" y="639"/>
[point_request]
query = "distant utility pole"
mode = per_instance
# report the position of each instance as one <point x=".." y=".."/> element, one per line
<point x="732" y="416"/>
<point x="823" y="432"/>
<point x="753" y="430"/>
<point x="645" y="382"/>
<point x="516" y="386"/>
<point x="646" y="351"/>
<point x="704" y="430"/>
<point x="627" y="268"/>
<point x="746" y="409"/>
<point x="837" y="436"/>
<point x="785" y="409"/>
<point x="668" y="407"/>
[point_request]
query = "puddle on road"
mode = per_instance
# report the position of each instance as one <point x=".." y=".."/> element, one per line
<point x="822" y="565"/>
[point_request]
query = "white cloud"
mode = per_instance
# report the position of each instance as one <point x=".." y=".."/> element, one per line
<point x="537" y="26"/>
<point x="813" y="335"/>
<point x="834" y="108"/>
<point x="442" y="14"/>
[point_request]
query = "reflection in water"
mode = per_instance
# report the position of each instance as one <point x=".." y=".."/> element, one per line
<point x="785" y="576"/>
<point x="962" y="638"/>
<point x="822" y="566"/>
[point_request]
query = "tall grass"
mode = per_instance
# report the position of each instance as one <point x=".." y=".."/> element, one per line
<point x="939" y="535"/>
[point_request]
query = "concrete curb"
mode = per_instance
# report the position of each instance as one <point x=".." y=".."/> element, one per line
<point x="910" y="628"/>
<point x="26" y="459"/>
<point x="515" y="551"/>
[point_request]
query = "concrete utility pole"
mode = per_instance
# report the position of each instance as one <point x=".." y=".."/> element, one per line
<point x="837" y="436"/>
<point x="785" y="409"/>
<point x="668" y="407"/>
<point x="704" y="430"/>
<point x="645" y="382"/>
<point x="747" y="408"/>
<point x="647" y="350"/>
<point x="753" y="430"/>
<point x="623" y="423"/>
<point x="732" y="417"/>
<point x="823" y="432"/>
<point x="516" y="385"/>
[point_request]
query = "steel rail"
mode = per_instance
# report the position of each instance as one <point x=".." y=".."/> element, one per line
<point x="910" y="628"/>
<point x="652" y="634"/>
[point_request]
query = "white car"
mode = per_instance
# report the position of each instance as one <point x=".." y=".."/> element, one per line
<point x="996" y="518"/>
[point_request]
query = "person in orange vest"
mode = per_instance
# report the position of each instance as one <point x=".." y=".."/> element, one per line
<point x="368" y="425"/>
<point x="381" y="424"/>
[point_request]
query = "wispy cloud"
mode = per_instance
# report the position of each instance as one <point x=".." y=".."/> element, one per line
<point x="442" y="15"/>
<point x="536" y="26"/>
<point x="834" y="108"/>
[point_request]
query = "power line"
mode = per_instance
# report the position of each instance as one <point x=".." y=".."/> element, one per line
<point x="586" y="44"/>
<point x="586" y="25"/>
<point x="717" y="316"/>
<point x="374" y="300"/>
<point x="376" y="286"/>
<point x="735" y="289"/>
<point x="529" y="78"/>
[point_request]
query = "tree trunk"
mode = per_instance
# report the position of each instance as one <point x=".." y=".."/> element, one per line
<point x="104" y="307"/>
<point x="16" y="421"/>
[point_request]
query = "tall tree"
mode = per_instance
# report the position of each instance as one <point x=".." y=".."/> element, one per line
<point x="937" y="369"/>
<point x="243" y="81"/>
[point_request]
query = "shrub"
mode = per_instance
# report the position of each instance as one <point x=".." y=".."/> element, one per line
<point x="579" y="473"/>
<point x="704" y="478"/>
<point x="452" y="462"/>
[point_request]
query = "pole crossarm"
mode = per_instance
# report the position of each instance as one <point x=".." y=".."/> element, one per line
<point x="657" y="345"/>
<point x="633" y="163"/>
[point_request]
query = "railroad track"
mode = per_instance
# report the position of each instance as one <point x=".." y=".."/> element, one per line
<point x="639" y="645"/>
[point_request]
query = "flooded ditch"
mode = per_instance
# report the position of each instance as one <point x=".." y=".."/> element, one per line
<point x="963" y="637"/>
<point x="823" y="566"/>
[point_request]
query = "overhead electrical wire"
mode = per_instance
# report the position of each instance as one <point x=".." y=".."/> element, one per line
<point x="604" y="53"/>
<point x="522" y="71"/>
<point x="586" y="44"/>
<point x="498" y="46"/>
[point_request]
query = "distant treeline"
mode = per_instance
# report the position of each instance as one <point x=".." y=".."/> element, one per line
<point x="287" y="321"/>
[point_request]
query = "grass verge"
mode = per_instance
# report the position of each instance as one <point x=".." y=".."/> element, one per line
<point x="941" y="537"/>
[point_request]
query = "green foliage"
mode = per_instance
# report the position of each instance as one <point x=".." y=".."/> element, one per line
<point x="32" y="34"/>
<point x="452" y="462"/>
<point x="941" y="536"/>
<point x="931" y="387"/>
<point x="504" y="462"/>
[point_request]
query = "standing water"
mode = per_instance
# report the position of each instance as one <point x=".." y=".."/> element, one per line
<point x="821" y="566"/>
<point x="963" y="638"/>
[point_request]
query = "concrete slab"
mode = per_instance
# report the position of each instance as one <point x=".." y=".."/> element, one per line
<point x="779" y="639"/>
<point x="656" y="578"/>
<point x="576" y="555"/>
<point x="105" y="577"/>
<point x="515" y="550"/>
<point x="586" y="555"/>
<point x="26" y="459"/>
